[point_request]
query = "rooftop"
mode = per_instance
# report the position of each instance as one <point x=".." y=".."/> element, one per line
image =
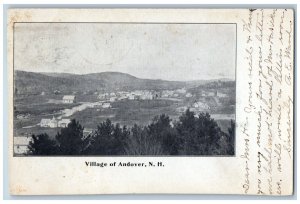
<point x="69" y="97"/>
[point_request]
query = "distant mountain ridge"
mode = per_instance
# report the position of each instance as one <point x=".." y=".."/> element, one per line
<point x="32" y="82"/>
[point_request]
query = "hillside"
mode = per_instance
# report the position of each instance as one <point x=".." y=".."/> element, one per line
<point x="34" y="83"/>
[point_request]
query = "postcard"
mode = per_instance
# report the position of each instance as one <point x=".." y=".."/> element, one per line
<point x="168" y="101"/>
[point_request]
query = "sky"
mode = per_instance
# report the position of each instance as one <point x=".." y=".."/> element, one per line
<point x="176" y="52"/>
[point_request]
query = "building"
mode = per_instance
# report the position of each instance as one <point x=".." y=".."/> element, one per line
<point x="221" y="95"/>
<point x="98" y="104"/>
<point x="181" y="91"/>
<point x="113" y="99"/>
<point x="106" y="105"/>
<point x="52" y="123"/>
<point x="167" y="93"/>
<point x="131" y="97"/>
<point x="23" y="116"/>
<point x="147" y="96"/>
<point x="21" y="144"/>
<point x="63" y="122"/>
<point x="69" y="99"/>
<point x="188" y="95"/>
<point x="101" y="96"/>
<point x="45" y="122"/>
<point x="201" y="106"/>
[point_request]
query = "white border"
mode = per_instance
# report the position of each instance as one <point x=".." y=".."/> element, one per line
<point x="125" y="2"/>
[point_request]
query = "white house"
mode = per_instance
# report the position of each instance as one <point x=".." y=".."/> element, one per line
<point x="98" y="104"/>
<point x="221" y="95"/>
<point x="63" y="122"/>
<point x="52" y="123"/>
<point x="23" y="116"/>
<point x="106" y="105"/>
<point x="188" y="95"/>
<point x="131" y="97"/>
<point x="147" y="95"/>
<point x="21" y="144"/>
<point x="69" y="99"/>
<point x="45" y="122"/>
<point x="181" y="91"/>
<point x="201" y="106"/>
<point x="167" y="93"/>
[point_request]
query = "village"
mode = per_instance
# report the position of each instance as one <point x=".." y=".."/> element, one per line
<point x="107" y="99"/>
<point x="181" y="99"/>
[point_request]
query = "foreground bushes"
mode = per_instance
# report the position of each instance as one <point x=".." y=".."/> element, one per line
<point x="191" y="135"/>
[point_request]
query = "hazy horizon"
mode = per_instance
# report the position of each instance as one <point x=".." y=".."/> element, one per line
<point x="222" y="78"/>
<point x="173" y="52"/>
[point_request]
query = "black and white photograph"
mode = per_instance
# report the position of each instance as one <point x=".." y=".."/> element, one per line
<point x="124" y="89"/>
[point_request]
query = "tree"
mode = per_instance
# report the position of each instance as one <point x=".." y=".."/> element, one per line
<point x="231" y="137"/>
<point x="185" y="127"/>
<point x="101" y="143"/>
<point x="199" y="135"/>
<point x="162" y="133"/>
<point x="70" y="139"/>
<point x="42" y="145"/>
<point x="191" y="135"/>
<point x="136" y="143"/>
<point x="108" y="139"/>
<point x="119" y="137"/>
<point x="140" y="142"/>
<point x="226" y="142"/>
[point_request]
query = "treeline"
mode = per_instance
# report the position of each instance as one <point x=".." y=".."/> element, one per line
<point x="190" y="135"/>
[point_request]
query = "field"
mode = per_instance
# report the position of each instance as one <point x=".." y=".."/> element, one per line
<point x="127" y="112"/>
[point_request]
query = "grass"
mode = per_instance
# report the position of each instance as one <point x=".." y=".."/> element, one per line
<point x="42" y="109"/>
<point x="125" y="113"/>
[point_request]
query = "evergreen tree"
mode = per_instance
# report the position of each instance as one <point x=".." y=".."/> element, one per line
<point x="191" y="135"/>
<point x="119" y="137"/>
<point x="231" y="137"/>
<point x="42" y="145"/>
<point x="185" y="127"/>
<point x="161" y="132"/>
<point x="70" y="139"/>
<point x="198" y="135"/>
<point x="102" y="142"/>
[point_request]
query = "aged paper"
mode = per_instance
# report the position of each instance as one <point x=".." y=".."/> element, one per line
<point x="236" y="65"/>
